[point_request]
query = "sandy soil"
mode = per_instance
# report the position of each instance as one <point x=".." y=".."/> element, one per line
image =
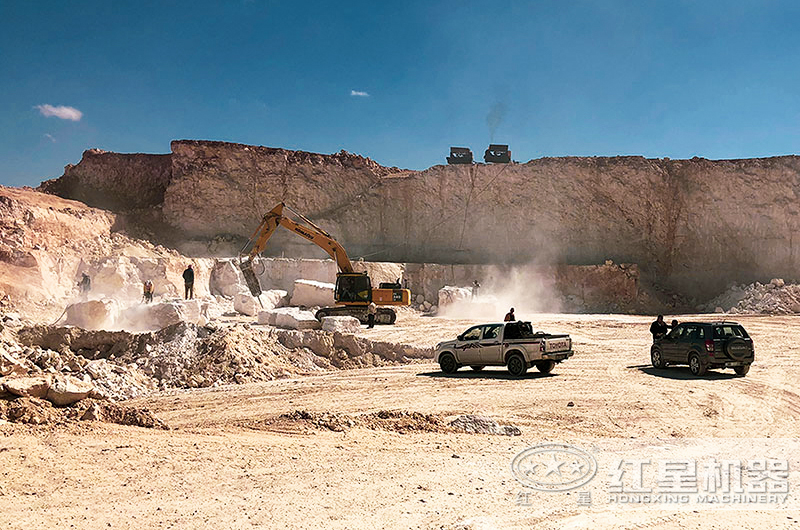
<point x="231" y="462"/>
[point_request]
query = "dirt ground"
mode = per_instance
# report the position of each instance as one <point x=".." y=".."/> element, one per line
<point x="232" y="460"/>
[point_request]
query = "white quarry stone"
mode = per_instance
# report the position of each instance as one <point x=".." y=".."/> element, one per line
<point x="191" y="310"/>
<point x="296" y="319"/>
<point x="226" y="279"/>
<point x="449" y="295"/>
<point x="778" y="282"/>
<point x="420" y="299"/>
<point x="342" y="324"/>
<point x="274" y="298"/>
<point x="150" y="317"/>
<point x="94" y="314"/>
<point x="246" y="304"/>
<point x="310" y="293"/>
<point x="10" y="365"/>
<point x="28" y="386"/>
<point x="66" y="390"/>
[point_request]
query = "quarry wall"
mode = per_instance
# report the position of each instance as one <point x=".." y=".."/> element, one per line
<point x="694" y="226"/>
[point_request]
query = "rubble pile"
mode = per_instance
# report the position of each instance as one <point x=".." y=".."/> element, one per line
<point x="775" y="298"/>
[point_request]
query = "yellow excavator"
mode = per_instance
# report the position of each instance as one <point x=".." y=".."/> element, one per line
<point x="353" y="291"/>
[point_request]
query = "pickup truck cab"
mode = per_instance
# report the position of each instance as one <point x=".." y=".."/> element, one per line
<point x="511" y="344"/>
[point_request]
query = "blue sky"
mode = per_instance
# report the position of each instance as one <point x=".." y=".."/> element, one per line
<point x="399" y="82"/>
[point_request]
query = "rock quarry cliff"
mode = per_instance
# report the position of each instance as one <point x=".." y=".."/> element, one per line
<point x="693" y="226"/>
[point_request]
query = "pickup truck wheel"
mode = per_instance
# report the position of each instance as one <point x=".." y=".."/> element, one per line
<point x="656" y="359"/>
<point x="448" y="363"/>
<point x="695" y="366"/>
<point x="545" y="366"/>
<point x="477" y="368"/>
<point x="516" y="365"/>
<point x="741" y="370"/>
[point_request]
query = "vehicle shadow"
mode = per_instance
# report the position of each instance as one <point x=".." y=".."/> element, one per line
<point x="682" y="373"/>
<point x="487" y="374"/>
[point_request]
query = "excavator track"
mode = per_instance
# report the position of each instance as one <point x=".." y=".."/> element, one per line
<point x="384" y="315"/>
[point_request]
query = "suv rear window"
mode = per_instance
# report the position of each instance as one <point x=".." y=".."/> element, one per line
<point x="727" y="331"/>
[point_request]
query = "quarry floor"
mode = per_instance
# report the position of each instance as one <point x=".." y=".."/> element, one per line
<point x="223" y="466"/>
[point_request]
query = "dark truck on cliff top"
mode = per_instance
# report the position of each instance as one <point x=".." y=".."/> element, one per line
<point x="511" y="344"/>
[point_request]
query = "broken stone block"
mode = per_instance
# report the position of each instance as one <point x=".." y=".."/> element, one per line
<point x="35" y="387"/>
<point x="66" y="390"/>
<point x="274" y="298"/>
<point x="191" y="310"/>
<point x="777" y="282"/>
<point x="449" y="295"/>
<point x="226" y="279"/>
<point x="93" y="315"/>
<point x="10" y="365"/>
<point x="297" y="319"/>
<point x="151" y="317"/>
<point x="310" y="293"/>
<point x="342" y="324"/>
<point x="246" y="304"/>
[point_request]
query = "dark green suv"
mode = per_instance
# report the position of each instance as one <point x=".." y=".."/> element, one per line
<point x="704" y="345"/>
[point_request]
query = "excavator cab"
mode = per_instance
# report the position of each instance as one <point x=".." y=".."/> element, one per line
<point x="497" y="153"/>
<point x="353" y="288"/>
<point x="460" y="155"/>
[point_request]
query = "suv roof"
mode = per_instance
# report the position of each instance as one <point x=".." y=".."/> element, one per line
<point x="715" y="323"/>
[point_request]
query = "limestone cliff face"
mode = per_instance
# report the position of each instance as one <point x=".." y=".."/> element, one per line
<point x="223" y="188"/>
<point x="693" y="225"/>
<point x="114" y="181"/>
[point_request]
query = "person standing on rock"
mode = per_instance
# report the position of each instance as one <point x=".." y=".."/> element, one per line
<point x="659" y="328"/>
<point x="188" y="282"/>
<point x="85" y="285"/>
<point x="372" y="309"/>
<point x="148" y="292"/>
<point x="510" y="317"/>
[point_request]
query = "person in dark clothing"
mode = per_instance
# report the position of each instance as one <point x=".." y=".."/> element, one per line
<point x="188" y="281"/>
<point x="510" y="316"/>
<point x="674" y="324"/>
<point x="475" y="286"/>
<point x="372" y="309"/>
<point x="85" y="284"/>
<point x="659" y="328"/>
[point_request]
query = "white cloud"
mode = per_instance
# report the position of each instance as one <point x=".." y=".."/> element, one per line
<point x="50" y="137"/>
<point x="359" y="93"/>
<point x="65" y="113"/>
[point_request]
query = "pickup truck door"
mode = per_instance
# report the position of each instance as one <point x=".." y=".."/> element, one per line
<point x="468" y="347"/>
<point x="491" y="344"/>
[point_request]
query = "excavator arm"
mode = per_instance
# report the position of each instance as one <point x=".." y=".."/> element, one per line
<point x="308" y="231"/>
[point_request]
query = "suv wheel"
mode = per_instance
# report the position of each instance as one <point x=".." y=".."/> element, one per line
<point x="516" y="365"/>
<point x="656" y="359"/>
<point x="545" y="366"/>
<point x="741" y="370"/>
<point x="696" y="366"/>
<point x="448" y="363"/>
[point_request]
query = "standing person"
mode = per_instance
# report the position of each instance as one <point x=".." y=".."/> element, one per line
<point x="85" y="284"/>
<point x="371" y="310"/>
<point x="510" y="317"/>
<point x="659" y="328"/>
<point x="148" y="292"/>
<point x="188" y="281"/>
<point x="674" y="324"/>
<point x="475" y="287"/>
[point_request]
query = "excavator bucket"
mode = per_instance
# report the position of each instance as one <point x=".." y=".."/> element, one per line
<point x="460" y="155"/>
<point x="497" y="153"/>
<point x="250" y="277"/>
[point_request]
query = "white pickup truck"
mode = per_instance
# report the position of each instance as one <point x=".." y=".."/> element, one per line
<point x="511" y="344"/>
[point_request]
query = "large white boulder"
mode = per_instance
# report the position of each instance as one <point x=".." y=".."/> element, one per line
<point x="310" y="293"/>
<point x="66" y="390"/>
<point x="342" y="324"/>
<point x="28" y="386"/>
<point x="151" y="317"/>
<point x="226" y="279"/>
<point x="295" y="318"/>
<point x="274" y="298"/>
<point x="191" y="310"/>
<point x="246" y="304"/>
<point x="94" y="314"/>
<point x="449" y="295"/>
